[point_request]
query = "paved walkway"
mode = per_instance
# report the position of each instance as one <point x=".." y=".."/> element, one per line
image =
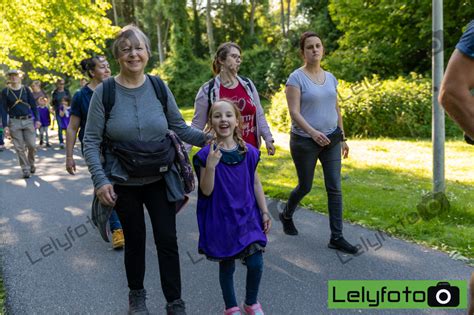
<point x="54" y="262"/>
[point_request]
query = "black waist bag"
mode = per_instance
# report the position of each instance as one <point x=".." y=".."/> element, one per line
<point x="144" y="159"/>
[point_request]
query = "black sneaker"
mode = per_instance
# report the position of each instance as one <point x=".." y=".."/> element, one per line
<point x="176" y="307"/>
<point x="342" y="245"/>
<point x="288" y="226"/>
<point x="136" y="302"/>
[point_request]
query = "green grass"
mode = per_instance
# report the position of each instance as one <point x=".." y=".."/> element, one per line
<point x="383" y="181"/>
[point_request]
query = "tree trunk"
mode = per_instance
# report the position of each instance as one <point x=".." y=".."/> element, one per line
<point x="161" y="54"/>
<point x="210" y="32"/>
<point x="288" y="10"/>
<point x="282" y="17"/>
<point x="135" y="9"/>
<point x="253" y="6"/>
<point x="114" y="7"/>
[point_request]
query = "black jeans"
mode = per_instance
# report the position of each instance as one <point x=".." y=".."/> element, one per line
<point x="129" y="207"/>
<point x="305" y="153"/>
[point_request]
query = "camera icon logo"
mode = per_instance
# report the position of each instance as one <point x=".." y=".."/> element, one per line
<point x="443" y="295"/>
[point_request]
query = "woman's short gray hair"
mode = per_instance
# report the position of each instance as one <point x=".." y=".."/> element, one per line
<point x="133" y="34"/>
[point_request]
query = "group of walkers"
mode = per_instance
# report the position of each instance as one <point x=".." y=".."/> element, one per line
<point x="26" y="115"/>
<point x="130" y="129"/>
<point x="133" y="116"/>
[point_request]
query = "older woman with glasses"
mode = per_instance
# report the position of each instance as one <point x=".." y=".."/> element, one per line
<point x="138" y="116"/>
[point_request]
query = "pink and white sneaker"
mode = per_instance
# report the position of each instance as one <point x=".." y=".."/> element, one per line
<point x="233" y="311"/>
<point x="254" y="309"/>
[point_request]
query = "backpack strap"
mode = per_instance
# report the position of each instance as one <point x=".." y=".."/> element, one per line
<point x="160" y="91"/>
<point x="247" y="80"/>
<point x="209" y="96"/>
<point x="211" y="86"/>
<point x="108" y="97"/>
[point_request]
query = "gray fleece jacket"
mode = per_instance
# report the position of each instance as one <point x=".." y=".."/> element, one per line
<point x="137" y="115"/>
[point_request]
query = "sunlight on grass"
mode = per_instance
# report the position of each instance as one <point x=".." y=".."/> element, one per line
<point x="383" y="181"/>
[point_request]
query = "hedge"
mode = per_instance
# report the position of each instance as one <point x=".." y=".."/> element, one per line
<point x="396" y="108"/>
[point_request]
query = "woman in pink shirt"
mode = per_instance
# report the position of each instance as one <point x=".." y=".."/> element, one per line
<point x="229" y="85"/>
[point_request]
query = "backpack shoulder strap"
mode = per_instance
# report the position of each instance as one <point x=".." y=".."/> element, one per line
<point x="108" y="96"/>
<point x="209" y="92"/>
<point x="160" y="90"/>
<point x="247" y="80"/>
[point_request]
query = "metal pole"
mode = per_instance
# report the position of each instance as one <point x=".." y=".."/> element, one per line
<point x="438" y="133"/>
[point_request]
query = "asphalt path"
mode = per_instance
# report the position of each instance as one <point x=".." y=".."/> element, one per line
<point x="54" y="262"/>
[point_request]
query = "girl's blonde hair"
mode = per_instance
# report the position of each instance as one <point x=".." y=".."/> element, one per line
<point x="238" y="129"/>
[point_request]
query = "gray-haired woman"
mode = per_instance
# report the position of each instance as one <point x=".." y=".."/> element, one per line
<point x="139" y="116"/>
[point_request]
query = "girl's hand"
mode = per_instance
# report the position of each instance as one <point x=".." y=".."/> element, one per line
<point x="270" y="147"/>
<point x="320" y="138"/>
<point x="214" y="155"/>
<point x="267" y="222"/>
<point x="345" y="149"/>
<point x="107" y="195"/>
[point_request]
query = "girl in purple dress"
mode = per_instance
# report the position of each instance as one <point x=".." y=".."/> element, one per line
<point x="232" y="213"/>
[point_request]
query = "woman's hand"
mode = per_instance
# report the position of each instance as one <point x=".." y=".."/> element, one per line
<point x="267" y="222"/>
<point x="270" y="147"/>
<point x="214" y="155"/>
<point x="344" y="149"/>
<point x="320" y="138"/>
<point x="106" y="195"/>
<point x="70" y="165"/>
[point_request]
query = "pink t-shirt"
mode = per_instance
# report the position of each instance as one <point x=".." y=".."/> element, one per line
<point x="247" y="109"/>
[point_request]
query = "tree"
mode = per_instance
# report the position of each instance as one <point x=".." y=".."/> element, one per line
<point x="51" y="37"/>
<point x="210" y="28"/>
<point x="390" y="37"/>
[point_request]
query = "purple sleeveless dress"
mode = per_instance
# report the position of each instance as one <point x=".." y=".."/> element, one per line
<point x="229" y="219"/>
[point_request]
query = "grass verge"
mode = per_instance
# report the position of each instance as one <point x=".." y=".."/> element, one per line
<point x="383" y="181"/>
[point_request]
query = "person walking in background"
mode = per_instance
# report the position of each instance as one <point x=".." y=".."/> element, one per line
<point x="317" y="132"/>
<point x="97" y="69"/>
<point x="16" y="101"/>
<point x="64" y="113"/>
<point x="45" y="120"/>
<point x="139" y="119"/>
<point x="232" y="212"/>
<point x="58" y="94"/>
<point x="458" y="82"/>
<point x="37" y="91"/>
<point x="228" y="84"/>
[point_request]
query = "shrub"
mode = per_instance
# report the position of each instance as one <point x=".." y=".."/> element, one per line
<point x="184" y="77"/>
<point x="278" y="115"/>
<point x="255" y="66"/>
<point x="377" y="108"/>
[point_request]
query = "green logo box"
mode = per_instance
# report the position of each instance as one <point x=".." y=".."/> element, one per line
<point x="397" y="294"/>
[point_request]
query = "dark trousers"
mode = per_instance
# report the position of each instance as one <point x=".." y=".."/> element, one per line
<point x="254" y="265"/>
<point x="60" y="130"/>
<point x="305" y="153"/>
<point x="129" y="207"/>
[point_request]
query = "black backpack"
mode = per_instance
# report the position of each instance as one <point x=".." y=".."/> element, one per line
<point x="108" y="95"/>
<point x="211" y="86"/>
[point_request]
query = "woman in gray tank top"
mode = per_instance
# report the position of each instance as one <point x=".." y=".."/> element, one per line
<point x="317" y="132"/>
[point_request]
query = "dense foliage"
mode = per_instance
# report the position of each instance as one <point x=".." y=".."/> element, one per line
<point x="373" y="107"/>
<point x="48" y="38"/>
